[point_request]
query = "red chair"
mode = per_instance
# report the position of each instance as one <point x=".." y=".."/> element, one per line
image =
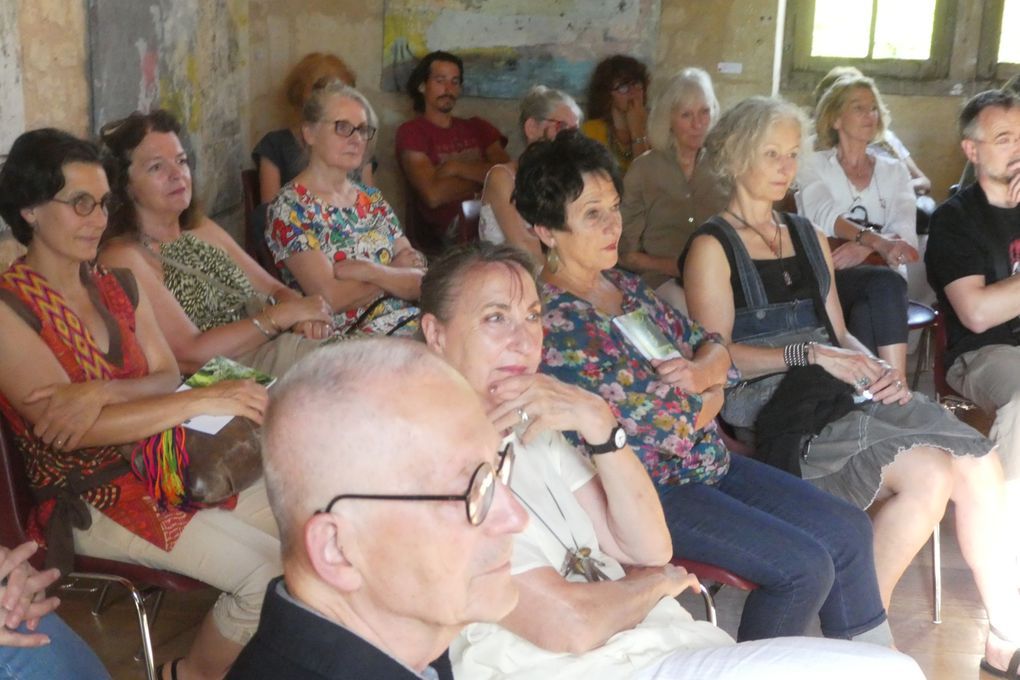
<point x="717" y="577"/>
<point x="15" y="504"/>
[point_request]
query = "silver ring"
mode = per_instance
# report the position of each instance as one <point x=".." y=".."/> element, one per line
<point x="899" y="384"/>
<point x="523" y="415"/>
<point x="862" y="383"/>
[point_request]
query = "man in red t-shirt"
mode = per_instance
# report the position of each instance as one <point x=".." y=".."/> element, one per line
<point x="444" y="158"/>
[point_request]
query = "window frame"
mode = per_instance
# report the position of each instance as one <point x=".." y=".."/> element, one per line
<point x="988" y="65"/>
<point x="801" y="72"/>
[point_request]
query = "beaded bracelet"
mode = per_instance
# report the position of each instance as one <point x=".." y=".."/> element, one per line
<point x="796" y="354"/>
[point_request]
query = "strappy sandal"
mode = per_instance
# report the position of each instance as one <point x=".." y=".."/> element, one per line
<point x="1011" y="669"/>
<point x="173" y="668"/>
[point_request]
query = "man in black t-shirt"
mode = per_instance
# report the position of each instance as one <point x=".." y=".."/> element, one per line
<point x="972" y="257"/>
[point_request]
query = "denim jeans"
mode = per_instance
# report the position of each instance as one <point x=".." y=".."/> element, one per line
<point x="874" y="302"/>
<point x="809" y="552"/>
<point x="66" y="656"/>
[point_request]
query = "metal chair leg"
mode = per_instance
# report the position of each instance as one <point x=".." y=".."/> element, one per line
<point x="143" y="620"/>
<point x="709" y="605"/>
<point x="936" y="573"/>
<point x="100" y="605"/>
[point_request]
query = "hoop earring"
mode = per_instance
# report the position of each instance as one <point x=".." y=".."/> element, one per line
<point x="552" y="260"/>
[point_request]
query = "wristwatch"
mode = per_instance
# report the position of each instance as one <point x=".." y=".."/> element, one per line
<point x="617" y="440"/>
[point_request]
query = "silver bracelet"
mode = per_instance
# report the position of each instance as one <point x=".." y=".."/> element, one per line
<point x="260" y="327"/>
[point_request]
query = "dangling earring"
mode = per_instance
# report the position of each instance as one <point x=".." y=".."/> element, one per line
<point x="552" y="260"/>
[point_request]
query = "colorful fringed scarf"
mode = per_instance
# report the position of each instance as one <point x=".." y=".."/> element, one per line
<point x="161" y="461"/>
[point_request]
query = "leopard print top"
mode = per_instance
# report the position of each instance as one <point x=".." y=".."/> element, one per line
<point x="207" y="306"/>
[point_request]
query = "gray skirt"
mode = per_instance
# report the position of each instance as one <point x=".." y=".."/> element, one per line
<point x="848" y="456"/>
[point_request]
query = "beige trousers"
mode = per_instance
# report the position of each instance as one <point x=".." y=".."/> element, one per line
<point x="236" y="551"/>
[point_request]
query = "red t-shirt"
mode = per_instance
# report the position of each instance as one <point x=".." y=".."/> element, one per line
<point x="465" y="139"/>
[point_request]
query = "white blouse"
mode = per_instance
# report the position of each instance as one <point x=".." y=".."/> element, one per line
<point x="826" y="193"/>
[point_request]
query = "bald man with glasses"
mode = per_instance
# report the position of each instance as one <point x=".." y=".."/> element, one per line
<point x="396" y="523"/>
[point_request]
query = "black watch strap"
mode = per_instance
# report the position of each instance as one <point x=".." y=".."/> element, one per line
<point x="617" y="440"/>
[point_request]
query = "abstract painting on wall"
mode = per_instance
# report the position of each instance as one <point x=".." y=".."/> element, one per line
<point x="184" y="56"/>
<point x="509" y="45"/>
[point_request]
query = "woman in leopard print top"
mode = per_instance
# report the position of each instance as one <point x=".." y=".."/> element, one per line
<point x="210" y="297"/>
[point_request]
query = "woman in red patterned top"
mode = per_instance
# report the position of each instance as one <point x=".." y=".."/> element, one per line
<point x="84" y="367"/>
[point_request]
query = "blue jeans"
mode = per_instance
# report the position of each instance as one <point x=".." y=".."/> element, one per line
<point x="809" y="552"/>
<point x="874" y="302"/>
<point x="66" y="656"/>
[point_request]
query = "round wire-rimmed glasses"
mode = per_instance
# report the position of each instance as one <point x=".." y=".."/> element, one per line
<point x="477" y="499"/>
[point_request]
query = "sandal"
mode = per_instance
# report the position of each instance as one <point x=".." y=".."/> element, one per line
<point x="173" y="667"/>
<point x="1011" y="669"/>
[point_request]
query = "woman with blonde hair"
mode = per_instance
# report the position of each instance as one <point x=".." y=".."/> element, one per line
<point x="865" y="199"/>
<point x="668" y="191"/>
<point x="817" y="402"/>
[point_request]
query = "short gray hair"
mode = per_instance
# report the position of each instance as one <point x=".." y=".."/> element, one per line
<point x="680" y="90"/>
<point x="540" y="101"/>
<point x="320" y="406"/>
<point x="732" y="145"/>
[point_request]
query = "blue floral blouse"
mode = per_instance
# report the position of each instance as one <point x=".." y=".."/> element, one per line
<point x="583" y="348"/>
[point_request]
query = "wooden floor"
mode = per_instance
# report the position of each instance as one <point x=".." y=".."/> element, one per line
<point x="947" y="651"/>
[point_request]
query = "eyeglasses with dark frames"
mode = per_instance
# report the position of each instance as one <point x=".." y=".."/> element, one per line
<point x="346" y="129"/>
<point x="85" y="204"/>
<point x="477" y="499"/>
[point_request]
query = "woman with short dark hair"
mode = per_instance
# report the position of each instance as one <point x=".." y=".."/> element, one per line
<point x="84" y="369"/>
<point x="809" y="552"/>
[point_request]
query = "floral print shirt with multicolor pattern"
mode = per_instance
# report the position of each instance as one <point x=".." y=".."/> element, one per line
<point x="300" y="221"/>
<point x="582" y="347"/>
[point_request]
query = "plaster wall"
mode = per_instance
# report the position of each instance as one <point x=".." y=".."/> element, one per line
<point x="276" y="33"/>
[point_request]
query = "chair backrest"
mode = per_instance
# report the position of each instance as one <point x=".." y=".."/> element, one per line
<point x="15" y="494"/>
<point x="250" y="192"/>
<point x="254" y="236"/>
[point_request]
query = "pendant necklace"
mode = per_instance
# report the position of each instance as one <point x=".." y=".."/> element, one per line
<point x="578" y="561"/>
<point x="855" y="193"/>
<point x="775" y="245"/>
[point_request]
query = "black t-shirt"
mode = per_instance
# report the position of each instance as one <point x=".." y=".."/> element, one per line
<point x="969" y="237"/>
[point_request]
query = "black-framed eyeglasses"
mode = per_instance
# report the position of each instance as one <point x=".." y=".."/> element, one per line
<point x="85" y="204"/>
<point x="346" y="129"/>
<point x="477" y="499"/>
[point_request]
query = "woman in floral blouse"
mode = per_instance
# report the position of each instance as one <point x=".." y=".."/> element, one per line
<point x="810" y="553"/>
<point x="338" y="239"/>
